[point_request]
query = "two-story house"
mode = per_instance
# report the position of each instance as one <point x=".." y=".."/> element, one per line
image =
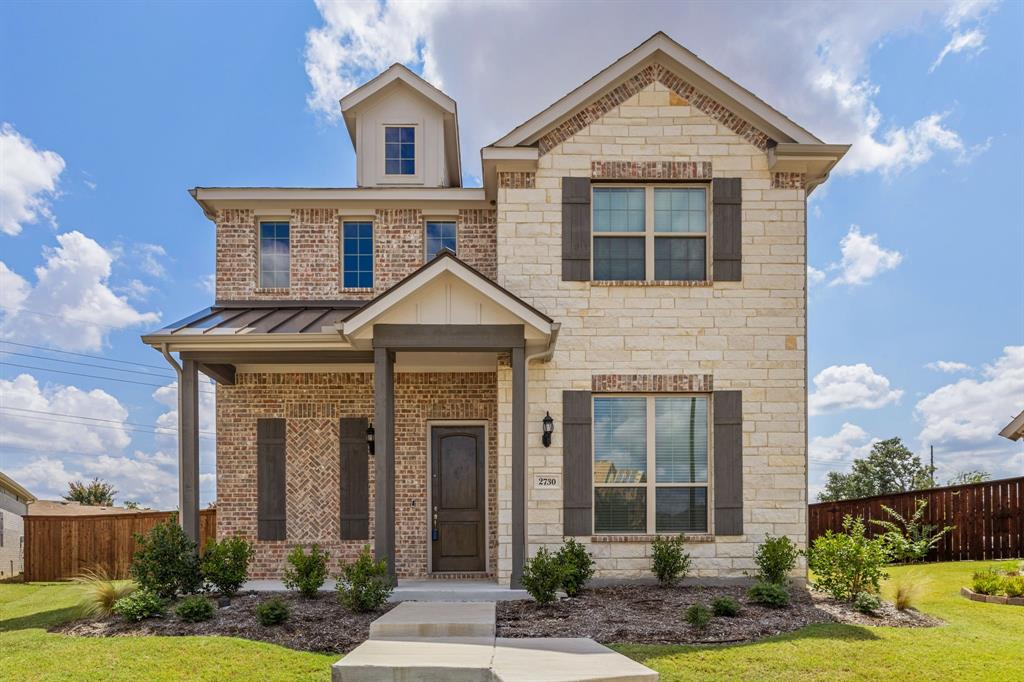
<point x="606" y="341"/>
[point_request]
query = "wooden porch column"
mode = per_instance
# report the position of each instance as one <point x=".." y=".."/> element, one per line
<point x="384" y="453"/>
<point x="188" y="449"/>
<point x="518" y="465"/>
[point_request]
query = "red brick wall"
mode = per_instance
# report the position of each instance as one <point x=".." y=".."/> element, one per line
<point x="312" y="405"/>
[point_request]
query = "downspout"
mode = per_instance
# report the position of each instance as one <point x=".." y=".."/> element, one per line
<point x="181" y="429"/>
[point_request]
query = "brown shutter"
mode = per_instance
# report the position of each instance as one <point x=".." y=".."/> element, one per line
<point x="728" y="462"/>
<point x="577" y="463"/>
<point x="726" y="242"/>
<point x="575" y="229"/>
<point x="355" y="480"/>
<point x="270" y="481"/>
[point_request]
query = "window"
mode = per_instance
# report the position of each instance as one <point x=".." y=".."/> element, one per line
<point x="274" y="256"/>
<point x="651" y="464"/>
<point x="357" y="255"/>
<point x="440" y="236"/>
<point x="634" y="243"/>
<point x="399" y="150"/>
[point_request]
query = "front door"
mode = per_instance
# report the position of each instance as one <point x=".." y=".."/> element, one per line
<point x="458" y="493"/>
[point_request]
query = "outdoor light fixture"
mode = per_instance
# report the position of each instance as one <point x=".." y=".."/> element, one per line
<point x="549" y="428"/>
<point x="369" y="437"/>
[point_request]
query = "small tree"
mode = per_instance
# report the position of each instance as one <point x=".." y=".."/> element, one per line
<point x="669" y="562"/>
<point x="890" y="468"/>
<point x="95" y="493"/>
<point x="364" y="585"/>
<point x="907" y="540"/>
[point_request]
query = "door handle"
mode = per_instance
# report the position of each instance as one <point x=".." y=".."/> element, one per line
<point x="434" y="534"/>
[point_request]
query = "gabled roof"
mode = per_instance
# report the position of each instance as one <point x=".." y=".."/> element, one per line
<point x="685" y="64"/>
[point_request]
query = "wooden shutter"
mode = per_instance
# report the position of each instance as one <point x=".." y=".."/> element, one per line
<point x="577" y="463"/>
<point x="728" y="462"/>
<point x="355" y="479"/>
<point x="726" y="217"/>
<point x="575" y="229"/>
<point x="270" y="479"/>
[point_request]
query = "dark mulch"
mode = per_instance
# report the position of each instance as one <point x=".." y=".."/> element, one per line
<point x="648" y="614"/>
<point x="319" y="624"/>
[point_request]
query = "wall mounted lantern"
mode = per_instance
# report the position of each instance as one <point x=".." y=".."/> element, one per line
<point x="549" y="428"/>
<point x="369" y="438"/>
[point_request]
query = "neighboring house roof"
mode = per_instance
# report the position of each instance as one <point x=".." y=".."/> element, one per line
<point x="15" y="487"/>
<point x="68" y="508"/>
<point x="1015" y="429"/>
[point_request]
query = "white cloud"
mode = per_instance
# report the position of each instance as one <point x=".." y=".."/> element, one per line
<point x="973" y="40"/>
<point x="208" y="283"/>
<point x="135" y="289"/>
<point x="28" y="181"/>
<point x="846" y="387"/>
<point x="949" y="366"/>
<point x="814" y="276"/>
<point x="863" y="258"/>
<point x="823" y="81"/>
<point x="71" y="305"/>
<point x="969" y="40"/>
<point x="13" y="289"/>
<point x="147" y="258"/>
<point x="168" y="397"/>
<point x="850" y="442"/>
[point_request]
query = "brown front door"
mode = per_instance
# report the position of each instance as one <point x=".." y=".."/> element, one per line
<point x="457" y="497"/>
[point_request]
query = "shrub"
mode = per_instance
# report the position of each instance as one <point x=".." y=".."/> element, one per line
<point x="775" y="558"/>
<point x="1013" y="585"/>
<point x="698" y="615"/>
<point x="770" y="594"/>
<point x="194" y="608"/>
<point x="306" y="572"/>
<point x="225" y="564"/>
<point x="101" y="592"/>
<point x="166" y="562"/>
<point x="987" y="582"/>
<point x="905" y="592"/>
<point x="865" y="602"/>
<point x="907" y="540"/>
<point x="273" y="611"/>
<point x="725" y="606"/>
<point x="577" y="564"/>
<point x="543" y="575"/>
<point x="139" y="604"/>
<point x="845" y="564"/>
<point x="669" y="562"/>
<point x="364" y="585"/>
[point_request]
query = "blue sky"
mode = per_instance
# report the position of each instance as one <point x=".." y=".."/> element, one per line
<point x="916" y="240"/>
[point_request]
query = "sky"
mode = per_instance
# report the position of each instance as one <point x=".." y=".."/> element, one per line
<point x="915" y="322"/>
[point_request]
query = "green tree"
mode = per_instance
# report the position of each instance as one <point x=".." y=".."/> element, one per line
<point x="967" y="477"/>
<point x="889" y="468"/>
<point x="95" y="493"/>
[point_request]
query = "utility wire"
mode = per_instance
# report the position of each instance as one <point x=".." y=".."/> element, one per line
<point x="84" y="364"/>
<point x="84" y="355"/>
<point x="107" y="426"/>
<point x="98" y="419"/>
<point x="91" y="376"/>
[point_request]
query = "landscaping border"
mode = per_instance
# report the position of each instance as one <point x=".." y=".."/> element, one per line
<point x="991" y="598"/>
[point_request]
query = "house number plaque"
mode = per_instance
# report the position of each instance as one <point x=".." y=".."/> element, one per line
<point x="547" y="482"/>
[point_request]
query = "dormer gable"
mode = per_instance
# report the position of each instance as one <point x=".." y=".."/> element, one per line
<point x="404" y="130"/>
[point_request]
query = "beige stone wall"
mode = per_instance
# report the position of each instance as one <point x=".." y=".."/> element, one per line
<point x="747" y="335"/>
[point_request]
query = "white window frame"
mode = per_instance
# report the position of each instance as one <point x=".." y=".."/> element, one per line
<point x="651" y="485"/>
<point x="259" y="249"/>
<point x="417" y="153"/>
<point x="649" y="233"/>
<point x="341" y="246"/>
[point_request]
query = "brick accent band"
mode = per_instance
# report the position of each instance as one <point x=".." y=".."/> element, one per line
<point x="784" y="180"/>
<point x="701" y="538"/>
<point x="650" y="170"/>
<point x="516" y="179"/>
<point x="651" y="383"/>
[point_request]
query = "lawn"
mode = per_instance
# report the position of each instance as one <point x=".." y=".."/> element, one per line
<point x="979" y="641"/>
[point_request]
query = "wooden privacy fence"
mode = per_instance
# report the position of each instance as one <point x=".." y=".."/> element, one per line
<point x="989" y="518"/>
<point x="61" y="547"/>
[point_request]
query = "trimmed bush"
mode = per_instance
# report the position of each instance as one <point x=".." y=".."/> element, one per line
<point x="770" y="594"/>
<point x="139" y="605"/>
<point x="101" y="592"/>
<point x="1013" y="585"/>
<point x="987" y="582"/>
<point x="578" y="566"/>
<point x="225" y="564"/>
<point x="846" y="564"/>
<point x="273" y="611"/>
<point x="725" y="606"/>
<point x="543" y="575"/>
<point x="306" y="572"/>
<point x="775" y="558"/>
<point x="698" y="616"/>
<point x="364" y="585"/>
<point x="165" y="562"/>
<point x="194" y="609"/>
<point x="669" y="562"/>
<point x="866" y="602"/>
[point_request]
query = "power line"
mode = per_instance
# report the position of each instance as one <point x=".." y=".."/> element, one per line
<point x="84" y="364"/>
<point x="84" y="355"/>
<point x="107" y="426"/>
<point x="91" y="376"/>
<point x="78" y="416"/>
<point x="89" y="323"/>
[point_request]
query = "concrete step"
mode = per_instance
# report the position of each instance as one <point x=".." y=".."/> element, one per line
<point x="454" y="590"/>
<point x="436" y="619"/>
<point x="563" y="659"/>
<point x="439" y="659"/>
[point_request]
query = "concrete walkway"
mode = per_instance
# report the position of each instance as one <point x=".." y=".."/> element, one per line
<point x="422" y="590"/>
<point x="455" y="642"/>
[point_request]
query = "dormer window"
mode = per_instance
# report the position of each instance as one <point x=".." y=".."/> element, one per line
<point x="399" y="150"/>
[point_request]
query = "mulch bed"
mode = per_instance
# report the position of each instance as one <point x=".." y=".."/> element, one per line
<point x="648" y="614"/>
<point x="320" y="624"/>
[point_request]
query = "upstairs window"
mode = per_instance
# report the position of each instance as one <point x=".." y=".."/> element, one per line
<point x="440" y="235"/>
<point x="633" y="242"/>
<point x="357" y="255"/>
<point x="275" y="256"/>
<point x="399" y="150"/>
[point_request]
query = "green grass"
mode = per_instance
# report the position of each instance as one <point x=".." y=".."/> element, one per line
<point x="978" y="642"/>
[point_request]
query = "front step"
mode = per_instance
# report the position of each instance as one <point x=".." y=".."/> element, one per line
<point x="436" y="619"/>
<point x="442" y="659"/>
<point x="563" y="659"/>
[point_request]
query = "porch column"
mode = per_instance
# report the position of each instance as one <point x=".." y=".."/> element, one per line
<point x="384" y="453"/>
<point x="188" y="449"/>
<point x="518" y="465"/>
